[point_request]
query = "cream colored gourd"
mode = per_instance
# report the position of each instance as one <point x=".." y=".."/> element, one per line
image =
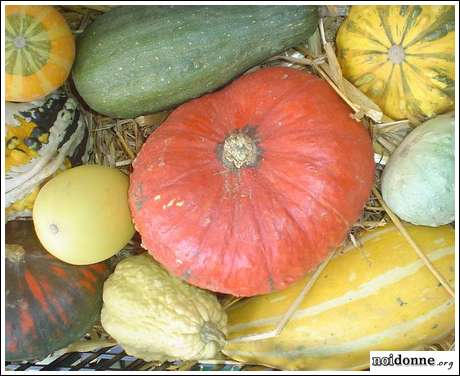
<point x="378" y="297"/>
<point x="156" y="316"/>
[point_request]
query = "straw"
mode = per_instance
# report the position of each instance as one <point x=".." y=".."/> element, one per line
<point x="291" y="310"/>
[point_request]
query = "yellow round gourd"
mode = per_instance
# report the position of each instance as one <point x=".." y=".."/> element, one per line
<point x="377" y="297"/>
<point x="156" y="316"/>
<point x="402" y="57"/>
<point x="82" y="216"/>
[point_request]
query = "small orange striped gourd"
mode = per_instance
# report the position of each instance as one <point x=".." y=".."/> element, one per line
<point x="402" y="57"/>
<point x="377" y="297"/>
<point x="40" y="50"/>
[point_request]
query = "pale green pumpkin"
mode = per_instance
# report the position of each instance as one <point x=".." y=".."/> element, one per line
<point x="418" y="180"/>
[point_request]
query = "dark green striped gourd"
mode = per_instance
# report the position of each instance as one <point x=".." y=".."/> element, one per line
<point x="139" y="59"/>
<point x="49" y="304"/>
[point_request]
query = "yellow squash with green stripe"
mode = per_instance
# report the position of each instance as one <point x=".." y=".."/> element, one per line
<point x="39" y="51"/>
<point x="402" y="57"/>
<point x="377" y="297"/>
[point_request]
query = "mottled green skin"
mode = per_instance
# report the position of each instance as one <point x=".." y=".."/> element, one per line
<point x="418" y="181"/>
<point x="142" y="59"/>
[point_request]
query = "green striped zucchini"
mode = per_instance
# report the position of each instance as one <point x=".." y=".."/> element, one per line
<point x="142" y="59"/>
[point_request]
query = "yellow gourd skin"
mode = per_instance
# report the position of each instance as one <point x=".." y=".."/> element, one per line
<point x="27" y="203"/>
<point x="17" y="153"/>
<point x="81" y="216"/>
<point x="156" y="316"/>
<point x="378" y="297"/>
<point x="402" y="57"/>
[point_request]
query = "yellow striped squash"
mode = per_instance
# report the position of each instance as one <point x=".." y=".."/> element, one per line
<point x="39" y="51"/>
<point x="402" y="57"/>
<point x="377" y="297"/>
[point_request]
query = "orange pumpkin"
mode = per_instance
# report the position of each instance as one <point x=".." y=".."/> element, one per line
<point x="245" y="190"/>
<point x="40" y="50"/>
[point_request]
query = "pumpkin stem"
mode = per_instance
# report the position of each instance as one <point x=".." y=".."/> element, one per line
<point x="19" y="41"/>
<point x="396" y="54"/>
<point x="14" y="252"/>
<point x="239" y="150"/>
<point x="210" y="333"/>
